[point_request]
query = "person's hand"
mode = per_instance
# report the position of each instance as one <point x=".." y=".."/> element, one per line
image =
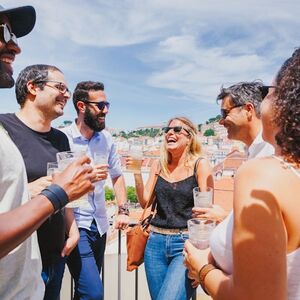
<point x="70" y="244"/>
<point x="100" y="171"/>
<point x="194" y="260"/>
<point x="76" y="179"/>
<point x="129" y="162"/>
<point x="215" y="213"/>
<point x="122" y="221"/>
<point x="35" y="187"/>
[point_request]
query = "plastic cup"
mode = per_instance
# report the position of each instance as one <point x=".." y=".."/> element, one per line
<point x="64" y="159"/>
<point x="100" y="158"/>
<point x="200" y="231"/>
<point x="136" y="153"/>
<point x="52" y="167"/>
<point x="203" y="198"/>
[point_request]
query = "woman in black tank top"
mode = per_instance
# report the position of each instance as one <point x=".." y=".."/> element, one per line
<point x="173" y="178"/>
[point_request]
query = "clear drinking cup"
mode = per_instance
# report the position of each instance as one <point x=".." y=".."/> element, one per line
<point x="100" y="159"/>
<point x="136" y="153"/>
<point x="203" y="198"/>
<point x="64" y="159"/>
<point x="52" y="167"/>
<point x="200" y="231"/>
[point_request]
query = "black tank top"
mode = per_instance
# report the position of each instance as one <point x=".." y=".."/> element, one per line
<point x="174" y="202"/>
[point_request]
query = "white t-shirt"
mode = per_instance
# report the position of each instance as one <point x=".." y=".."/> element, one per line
<point x="20" y="270"/>
<point x="260" y="148"/>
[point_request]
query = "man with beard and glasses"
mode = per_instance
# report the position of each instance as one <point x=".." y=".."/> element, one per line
<point x="20" y="262"/>
<point x="88" y="133"/>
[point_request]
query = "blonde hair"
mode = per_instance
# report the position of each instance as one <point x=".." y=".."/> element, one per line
<point x="194" y="150"/>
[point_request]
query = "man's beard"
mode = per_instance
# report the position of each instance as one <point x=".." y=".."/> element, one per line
<point x="6" y="80"/>
<point x="92" y="121"/>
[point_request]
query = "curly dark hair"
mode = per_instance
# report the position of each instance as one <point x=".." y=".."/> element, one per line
<point x="287" y="108"/>
<point x="81" y="92"/>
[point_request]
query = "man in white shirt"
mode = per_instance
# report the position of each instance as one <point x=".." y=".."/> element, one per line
<point x="240" y="115"/>
<point x="88" y="134"/>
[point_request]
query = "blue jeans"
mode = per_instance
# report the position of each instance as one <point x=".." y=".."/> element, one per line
<point x="85" y="263"/>
<point x="166" y="274"/>
<point x="52" y="276"/>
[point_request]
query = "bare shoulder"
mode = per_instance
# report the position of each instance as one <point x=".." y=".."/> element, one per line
<point x="202" y="162"/>
<point x="257" y="182"/>
<point x="259" y="169"/>
<point x="155" y="166"/>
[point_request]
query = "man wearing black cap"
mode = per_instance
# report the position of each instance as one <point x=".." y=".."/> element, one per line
<point x="20" y="263"/>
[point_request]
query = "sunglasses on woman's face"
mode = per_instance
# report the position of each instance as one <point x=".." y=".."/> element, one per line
<point x="176" y="129"/>
<point x="265" y="90"/>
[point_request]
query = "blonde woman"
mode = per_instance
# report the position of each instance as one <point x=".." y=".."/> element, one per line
<point x="181" y="168"/>
<point x="256" y="251"/>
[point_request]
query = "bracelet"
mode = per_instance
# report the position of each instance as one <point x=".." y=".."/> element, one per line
<point x="56" y="195"/>
<point x="202" y="274"/>
<point x="123" y="209"/>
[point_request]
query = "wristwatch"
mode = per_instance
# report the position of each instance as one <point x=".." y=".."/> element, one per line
<point x="123" y="209"/>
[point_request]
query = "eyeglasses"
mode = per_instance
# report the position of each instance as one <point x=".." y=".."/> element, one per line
<point x="176" y="129"/>
<point x="7" y="35"/>
<point x="60" y="86"/>
<point x="225" y="112"/>
<point x="101" y="105"/>
<point x="265" y="90"/>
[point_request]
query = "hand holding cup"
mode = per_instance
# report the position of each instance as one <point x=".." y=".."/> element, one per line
<point x="100" y="168"/>
<point x="76" y="178"/>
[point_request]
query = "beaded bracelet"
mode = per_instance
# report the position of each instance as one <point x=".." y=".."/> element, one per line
<point x="202" y="274"/>
<point x="56" y="195"/>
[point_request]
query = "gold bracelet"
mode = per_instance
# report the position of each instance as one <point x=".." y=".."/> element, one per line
<point x="202" y="274"/>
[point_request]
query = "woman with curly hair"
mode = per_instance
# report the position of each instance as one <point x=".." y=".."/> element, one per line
<point x="180" y="168"/>
<point x="259" y="258"/>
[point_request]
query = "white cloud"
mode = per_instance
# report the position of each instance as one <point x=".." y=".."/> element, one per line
<point x="188" y="48"/>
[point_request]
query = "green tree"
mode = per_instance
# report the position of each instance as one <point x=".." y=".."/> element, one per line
<point x="209" y="132"/>
<point x="131" y="194"/>
<point x="109" y="194"/>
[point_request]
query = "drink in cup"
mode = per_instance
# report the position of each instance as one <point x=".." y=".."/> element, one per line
<point x="203" y="198"/>
<point x="136" y="153"/>
<point x="64" y="159"/>
<point x="200" y="231"/>
<point x="100" y="158"/>
<point x="52" y="167"/>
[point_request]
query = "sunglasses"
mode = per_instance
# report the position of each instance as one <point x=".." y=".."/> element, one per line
<point x="225" y="112"/>
<point x="176" y="129"/>
<point x="265" y="90"/>
<point x="60" y="86"/>
<point x="101" y="105"/>
<point x="7" y="35"/>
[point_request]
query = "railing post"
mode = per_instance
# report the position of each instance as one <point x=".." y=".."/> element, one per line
<point x="136" y="284"/>
<point x="119" y="265"/>
<point x="102" y="274"/>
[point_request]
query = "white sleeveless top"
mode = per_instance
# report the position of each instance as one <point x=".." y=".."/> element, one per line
<point x="221" y="249"/>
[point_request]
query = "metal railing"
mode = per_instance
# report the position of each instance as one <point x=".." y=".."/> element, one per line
<point x="119" y="279"/>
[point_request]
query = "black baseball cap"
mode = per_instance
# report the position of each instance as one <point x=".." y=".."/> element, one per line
<point x="22" y="19"/>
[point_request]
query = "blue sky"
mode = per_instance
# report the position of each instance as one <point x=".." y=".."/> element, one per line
<point x="158" y="58"/>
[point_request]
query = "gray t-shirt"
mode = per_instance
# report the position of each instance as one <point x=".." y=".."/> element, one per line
<point x="20" y="270"/>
